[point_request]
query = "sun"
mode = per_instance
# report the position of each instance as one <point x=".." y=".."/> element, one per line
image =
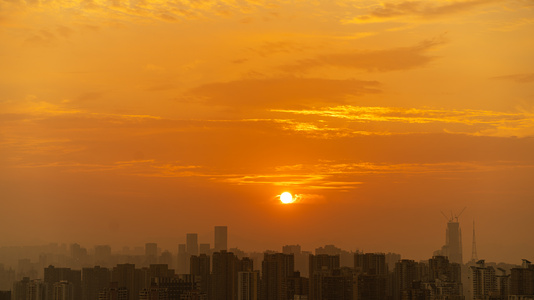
<point x="286" y="198"/>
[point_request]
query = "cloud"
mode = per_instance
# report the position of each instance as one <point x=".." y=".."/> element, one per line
<point x="476" y="122"/>
<point x="283" y="92"/>
<point x="270" y="48"/>
<point x="64" y="31"/>
<point x="144" y="168"/>
<point x="42" y="38"/>
<point x="402" y="58"/>
<point x="419" y="9"/>
<point x="309" y="182"/>
<point x="519" y="78"/>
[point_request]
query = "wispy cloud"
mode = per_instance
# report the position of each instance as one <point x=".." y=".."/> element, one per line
<point x="419" y="9"/>
<point x="145" y="168"/>
<point x="402" y="58"/>
<point x="519" y="78"/>
<point x="283" y="92"/>
<point x="307" y="181"/>
<point x="491" y="123"/>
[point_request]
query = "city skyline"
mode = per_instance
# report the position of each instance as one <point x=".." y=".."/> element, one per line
<point x="327" y="273"/>
<point x="131" y="122"/>
<point x="190" y="244"/>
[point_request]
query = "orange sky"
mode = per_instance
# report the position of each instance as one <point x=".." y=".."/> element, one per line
<point x="124" y="122"/>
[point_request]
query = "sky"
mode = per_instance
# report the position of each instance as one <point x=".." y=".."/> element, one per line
<point x="125" y="122"/>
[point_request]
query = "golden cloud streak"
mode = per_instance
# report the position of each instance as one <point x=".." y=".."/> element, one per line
<point x="496" y="123"/>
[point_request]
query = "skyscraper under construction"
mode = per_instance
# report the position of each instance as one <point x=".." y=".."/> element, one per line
<point x="453" y="240"/>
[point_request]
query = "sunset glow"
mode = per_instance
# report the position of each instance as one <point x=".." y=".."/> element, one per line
<point x="122" y="122"/>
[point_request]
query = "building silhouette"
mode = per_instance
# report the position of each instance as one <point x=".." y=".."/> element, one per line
<point x="221" y="238"/>
<point x="54" y="275"/>
<point x="482" y="281"/>
<point x="192" y="243"/>
<point x="204" y="248"/>
<point x="371" y="276"/>
<point x="453" y="240"/>
<point x="151" y="253"/>
<point x="298" y="287"/>
<point x="404" y="274"/>
<point x="224" y="276"/>
<point x="126" y="278"/>
<point x="181" y="261"/>
<point x="248" y="285"/>
<point x="276" y="269"/>
<point x="63" y="290"/>
<point x="522" y="281"/>
<point x="102" y="255"/>
<point x="336" y="284"/>
<point x="93" y="281"/>
<point x="114" y="292"/>
<point x="320" y="265"/>
<point x="200" y="267"/>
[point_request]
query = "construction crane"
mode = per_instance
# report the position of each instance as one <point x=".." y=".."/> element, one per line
<point x="453" y="216"/>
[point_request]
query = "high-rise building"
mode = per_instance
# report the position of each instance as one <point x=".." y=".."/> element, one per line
<point x="371" y="274"/>
<point x="301" y="258"/>
<point x="320" y="266"/>
<point x="166" y="259"/>
<point x="200" y="266"/>
<point x="482" y="281"/>
<point x="127" y="278"/>
<point x="221" y="238"/>
<point x="204" y="248"/>
<point x="7" y="278"/>
<point x="103" y="255"/>
<point x="78" y="254"/>
<point x="248" y="285"/>
<point x="454" y="242"/>
<point x="522" y="280"/>
<point x="63" y="290"/>
<point x="151" y="253"/>
<point x="53" y="275"/>
<point x="37" y="290"/>
<point x="181" y="262"/>
<point x="298" y="287"/>
<point x="503" y="285"/>
<point x="93" y="281"/>
<point x="335" y="284"/>
<point x="370" y="263"/>
<point x="192" y="243"/>
<point x="405" y="273"/>
<point x="224" y="276"/>
<point x="191" y="247"/>
<point x="114" y="292"/>
<point x="276" y="269"/>
<point x="20" y="289"/>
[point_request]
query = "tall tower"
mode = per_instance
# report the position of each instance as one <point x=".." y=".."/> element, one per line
<point x="192" y="243"/>
<point x="474" y="256"/>
<point x="454" y="241"/>
<point x="221" y="238"/>
<point x="223" y="278"/>
<point x="151" y="253"/>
